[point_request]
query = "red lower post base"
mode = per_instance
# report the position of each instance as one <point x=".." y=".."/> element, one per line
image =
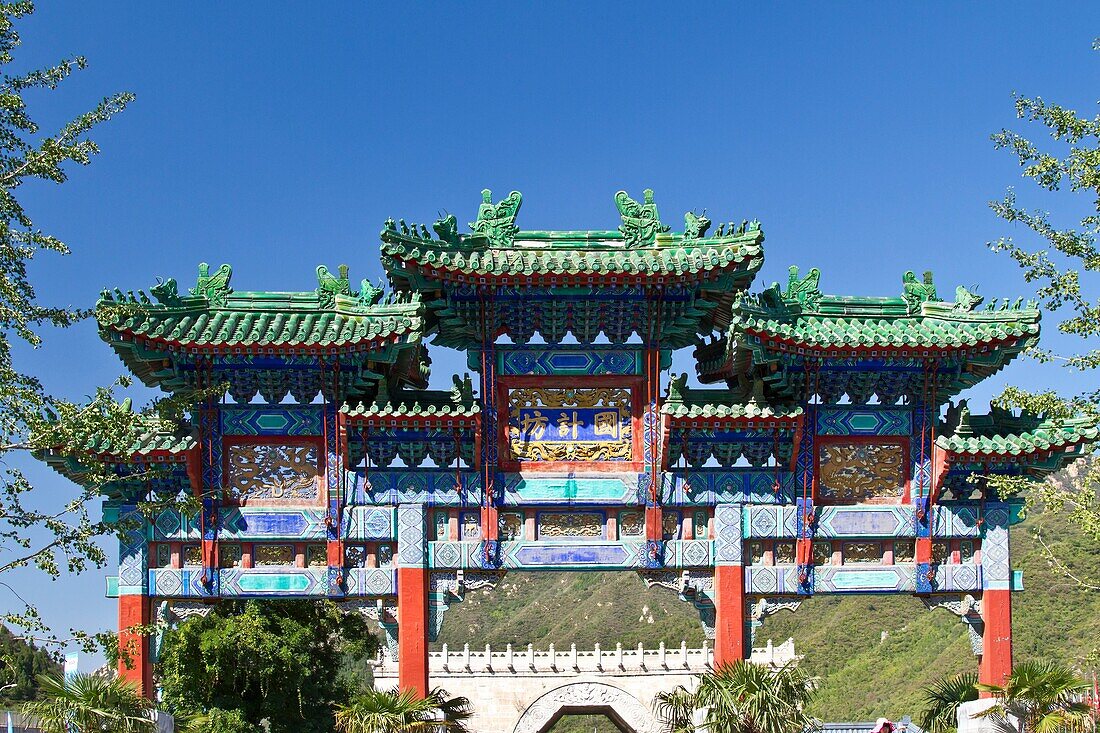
<point x="996" y="663"/>
<point x="412" y="630"/>
<point x="729" y="605"/>
<point x="134" y="664"/>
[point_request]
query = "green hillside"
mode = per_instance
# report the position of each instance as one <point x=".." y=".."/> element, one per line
<point x="871" y="653"/>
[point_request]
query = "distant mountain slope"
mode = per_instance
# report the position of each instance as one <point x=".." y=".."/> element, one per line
<point x="872" y="653"/>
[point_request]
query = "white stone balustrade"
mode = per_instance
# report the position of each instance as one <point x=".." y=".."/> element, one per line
<point x="530" y="661"/>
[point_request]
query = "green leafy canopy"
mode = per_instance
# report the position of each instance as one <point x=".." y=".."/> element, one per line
<point x="1058" y="255"/>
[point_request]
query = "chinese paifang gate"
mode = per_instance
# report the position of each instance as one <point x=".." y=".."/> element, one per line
<point x="828" y="455"/>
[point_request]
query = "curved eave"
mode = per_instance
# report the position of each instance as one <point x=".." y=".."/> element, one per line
<point x="747" y="266"/>
<point x="232" y="347"/>
<point x="71" y="467"/>
<point x="930" y="350"/>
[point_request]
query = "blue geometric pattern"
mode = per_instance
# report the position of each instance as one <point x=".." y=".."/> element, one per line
<point x="362" y="523"/>
<point x="242" y="523"/>
<point x="956" y="520"/>
<point x="958" y="578"/>
<point x="133" y="555"/>
<point x="726" y="486"/>
<point x="590" y="361"/>
<point x="412" y="536"/>
<point x="433" y="487"/>
<point x="577" y="555"/>
<point x="244" y="420"/>
<point x="865" y="421"/>
<point x="780" y="522"/>
<point x="728" y="534"/>
<point x="996" y="572"/>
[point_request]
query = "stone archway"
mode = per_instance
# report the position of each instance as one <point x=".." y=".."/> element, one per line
<point x="624" y="710"/>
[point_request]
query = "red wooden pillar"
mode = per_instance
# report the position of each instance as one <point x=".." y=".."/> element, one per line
<point x="133" y="610"/>
<point x="729" y="605"/>
<point x="412" y="629"/>
<point x="996" y="661"/>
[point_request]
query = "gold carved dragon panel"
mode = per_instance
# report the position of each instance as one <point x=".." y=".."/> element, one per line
<point x="852" y="472"/>
<point x="272" y="471"/>
<point x="570" y="424"/>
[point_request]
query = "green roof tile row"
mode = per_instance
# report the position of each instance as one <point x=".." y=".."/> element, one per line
<point x="1044" y="437"/>
<point x="669" y="256"/>
<point x="245" y="320"/>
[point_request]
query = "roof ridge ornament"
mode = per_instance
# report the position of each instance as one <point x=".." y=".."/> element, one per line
<point x="497" y="222"/>
<point x="967" y="300"/>
<point x="641" y="222"/>
<point x="915" y="292"/>
<point x="214" y="288"/>
<point x="329" y="286"/>
<point x="167" y="292"/>
<point x="695" y="225"/>
<point x="804" y="291"/>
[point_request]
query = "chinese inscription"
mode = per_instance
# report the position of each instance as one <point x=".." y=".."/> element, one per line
<point x="559" y="424"/>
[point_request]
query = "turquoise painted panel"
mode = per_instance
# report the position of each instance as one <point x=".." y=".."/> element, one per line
<point x="112" y="586"/>
<point x="257" y="582"/>
<point x="865" y="579"/>
<point x="519" y="490"/>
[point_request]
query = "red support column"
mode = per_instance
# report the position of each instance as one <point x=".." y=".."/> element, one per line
<point x="996" y="661"/>
<point x="412" y="629"/>
<point x="133" y="610"/>
<point x="729" y="606"/>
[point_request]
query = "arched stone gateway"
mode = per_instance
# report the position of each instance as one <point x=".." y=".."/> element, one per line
<point x="625" y="710"/>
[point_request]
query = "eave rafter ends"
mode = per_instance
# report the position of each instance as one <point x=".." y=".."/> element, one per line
<point x="1004" y="437"/>
<point x="213" y="318"/>
<point x="641" y="251"/>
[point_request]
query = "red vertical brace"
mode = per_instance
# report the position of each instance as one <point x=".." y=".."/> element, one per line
<point x="412" y="630"/>
<point x="996" y="661"/>
<point x="729" y="606"/>
<point x="134" y="611"/>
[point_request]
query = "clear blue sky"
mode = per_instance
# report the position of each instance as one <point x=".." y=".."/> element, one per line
<point x="276" y="139"/>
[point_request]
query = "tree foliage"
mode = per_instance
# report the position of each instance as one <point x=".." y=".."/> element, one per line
<point x="1059" y="257"/>
<point x="380" y="711"/>
<point x="90" y="703"/>
<point x="942" y="699"/>
<point x="53" y="535"/>
<point x="1040" y="697"/>
<point x="24" y="663"/>
<point x="743" y="697"/>
<point x="275" y="661"/>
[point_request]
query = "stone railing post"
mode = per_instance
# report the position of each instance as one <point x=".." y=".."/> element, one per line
<point x="466" y="657"/>
<point x="553" y="658"/>
<point x="446" y="659"/>
<point x="641" y="657"/>
<point x="509" y="659"/>
<point x="662" y="655"/>
<point x="488" y="658"/>
<point x="707" y="659"/>
<point x="619" y="656"/>
<point x="573" y="658"/>
<point x="599" y="657"/>
<point x="531" y="656"/>
<point x="684" y="654"/>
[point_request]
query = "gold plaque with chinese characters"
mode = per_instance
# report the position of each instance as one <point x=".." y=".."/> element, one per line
<point x="565" y="424"/>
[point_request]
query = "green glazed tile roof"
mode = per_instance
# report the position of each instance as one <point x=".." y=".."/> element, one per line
<point x="580" y="255"/>
<point x="933" y="326"/>
<point x="215" y="316"/>
<point x="419" y="404"/>
<point x="723" y="404"/>
<point x="1004" y="435"/>
<point x="642" y="248"/>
